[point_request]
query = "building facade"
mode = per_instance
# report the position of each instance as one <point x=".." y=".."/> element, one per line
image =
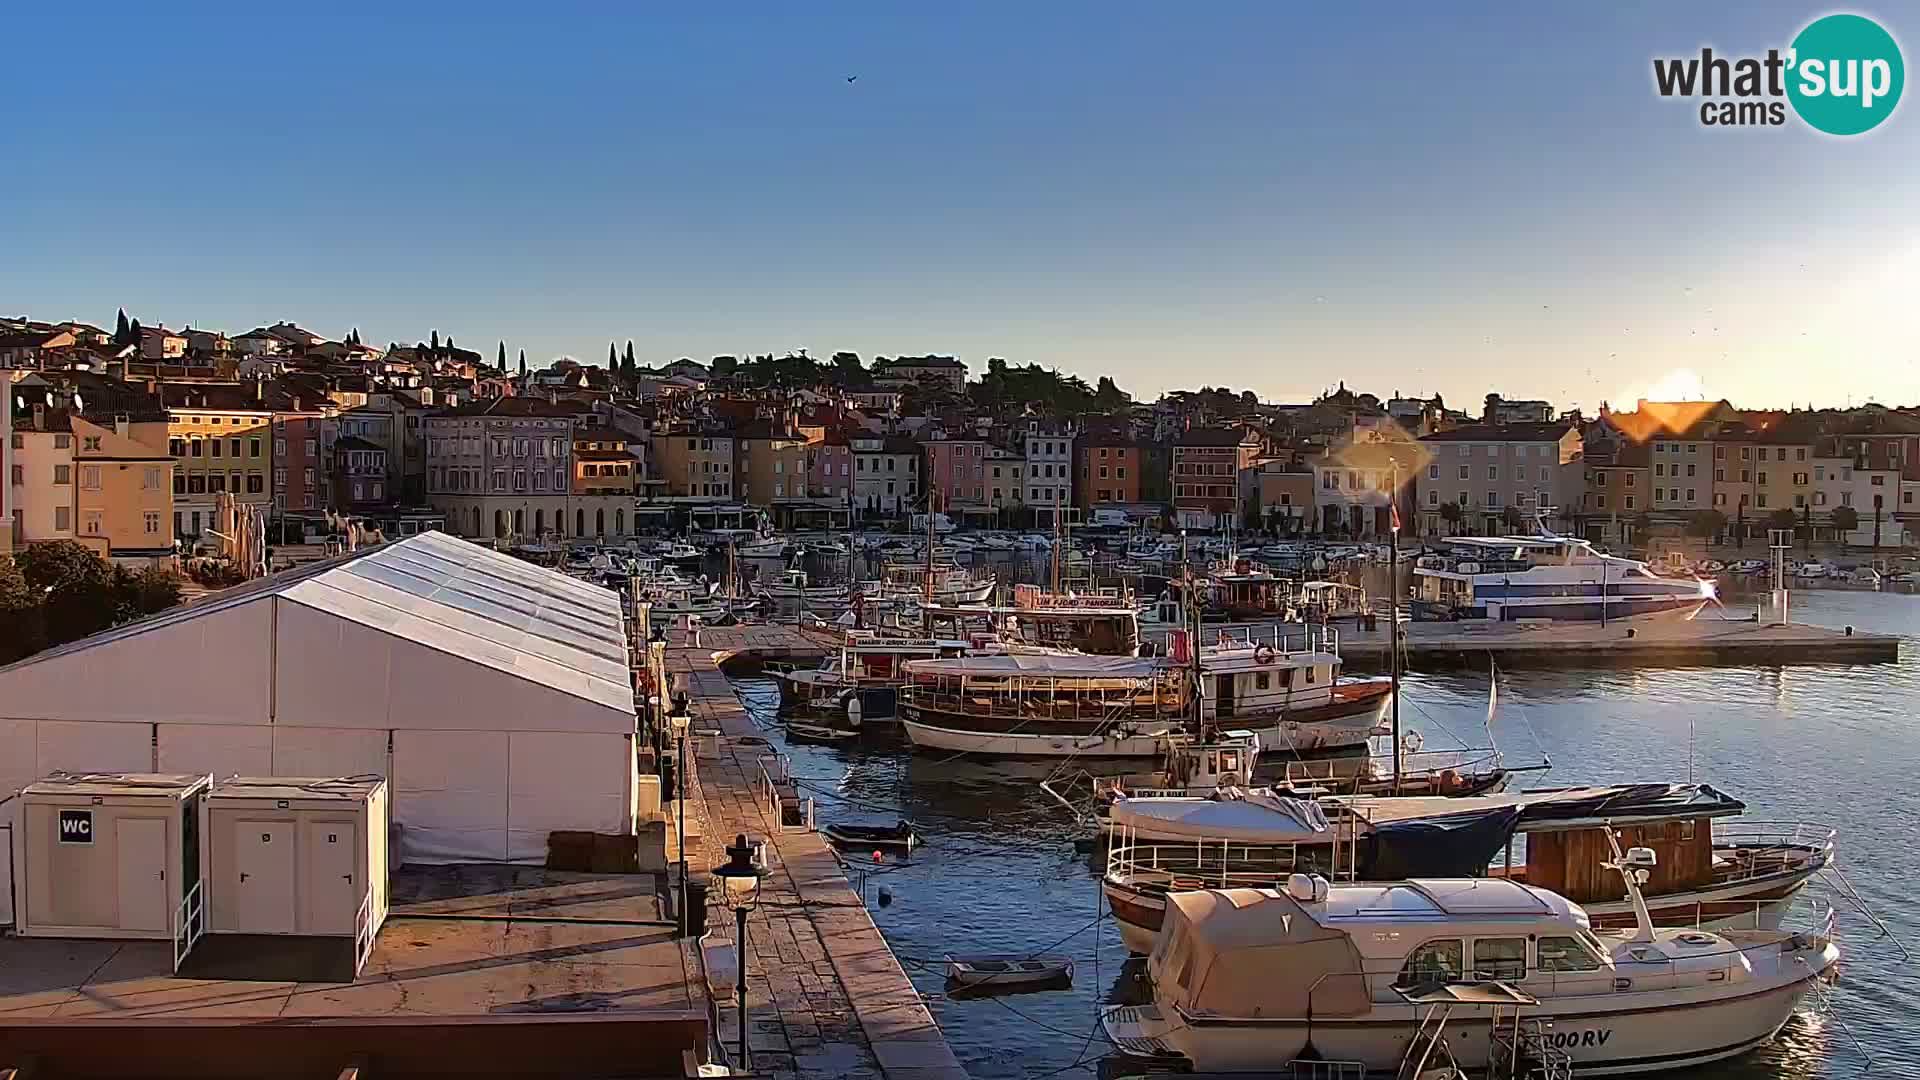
<point x="1499" y="476"/>
<point x="885" y="474"/>
<point x="1109" y="469"/>
<point x="220" y="439"/>
<point x="502" y="469"/>
<point x="696" y="462"/>
<point x="957" y="471"/>
<point x="1049" y="454"/>
<point x="1206" y="476"/>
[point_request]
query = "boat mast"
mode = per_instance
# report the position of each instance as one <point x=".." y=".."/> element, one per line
<point x="926" y="585"/>
<point x="1190" y="616"/>
<point x="1393" y="612"/>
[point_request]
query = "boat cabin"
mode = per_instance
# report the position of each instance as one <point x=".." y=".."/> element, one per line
<point x="1109" y="630"/>
<point x="1243" y="679"/>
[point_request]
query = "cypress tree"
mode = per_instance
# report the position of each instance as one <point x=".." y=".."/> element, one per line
<point x="435" y="344"/>
<point x="120" y="329"/>
<point x="503" y="355"/>
<point x="627" y="364"/>
<point x="133" y="332"/>
<point x="523" y="363"/>
<point x="613" y="359"/>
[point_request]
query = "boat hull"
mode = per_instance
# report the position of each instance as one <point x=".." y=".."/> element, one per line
<point x="1335" y="726"/>
<point x="1606" y="1034"/>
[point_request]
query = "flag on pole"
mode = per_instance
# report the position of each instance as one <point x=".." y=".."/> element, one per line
<point x="1394" y="511"/>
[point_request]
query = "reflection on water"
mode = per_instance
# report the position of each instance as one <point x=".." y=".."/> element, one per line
<point x="1825" y="743"/>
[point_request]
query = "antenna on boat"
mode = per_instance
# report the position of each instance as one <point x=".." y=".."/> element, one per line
<point x="1633" y="868"/>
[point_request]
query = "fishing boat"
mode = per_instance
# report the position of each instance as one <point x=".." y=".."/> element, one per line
<point x="975" y="972"/>
<point x="677" y="553"/>
<point x="939" y="583"/>
<point x="1714" y="874"/>
<point x="896" y="837"/>
<point x="1254" y="980"/>
<point x="766" y="547"/>
<point x="1546" y="577"/>
<point x="1055" y="705"/>
<point x="791" y="586"/>
<point x="809" y="731"/>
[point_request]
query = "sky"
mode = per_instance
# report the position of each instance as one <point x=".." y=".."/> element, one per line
<point x="1271" y="197"/>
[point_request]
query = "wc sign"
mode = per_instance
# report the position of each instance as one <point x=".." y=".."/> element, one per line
<point x="76" y="826"/>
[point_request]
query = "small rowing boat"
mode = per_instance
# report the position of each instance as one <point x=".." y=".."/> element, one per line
<point x="976" y="972"/>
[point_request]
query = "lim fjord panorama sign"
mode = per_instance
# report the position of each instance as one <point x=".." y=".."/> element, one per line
<point x="1842" y="75"/>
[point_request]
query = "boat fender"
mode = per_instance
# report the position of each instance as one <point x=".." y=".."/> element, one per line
<point x="1228" y="780"/>
<point x="1263" y="654"/>
<point x="886" y="896"/>
<point x="853" y="709"/>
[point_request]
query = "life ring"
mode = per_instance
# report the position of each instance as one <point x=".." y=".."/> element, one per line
<point x="1412" y="741"/>
<point x="1228" y="780"/>
<point x="1263" y="654"/>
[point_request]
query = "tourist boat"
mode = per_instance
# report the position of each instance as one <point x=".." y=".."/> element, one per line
<point x="1115" y="706"/>
<point x="1244" y="593"/>
<point x="1099" y="622"/>
<point x="1546" y="577"/>
<point x="790" y="586"/>
<point x="1326" y="601"/>
<point x="896" y="837"/>
<point x="1232" y="759"/>
<point x="860" y="680"/>
<point x="932" y="583"/>
<point x="1744" y="875"/>
<point x="976" y="972"/>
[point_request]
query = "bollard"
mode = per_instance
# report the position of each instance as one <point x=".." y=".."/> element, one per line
<point x="696" y="909"/>
<point x="1849" y="631"/>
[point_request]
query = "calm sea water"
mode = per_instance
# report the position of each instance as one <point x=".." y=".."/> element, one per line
<point x="1824" y="743"/>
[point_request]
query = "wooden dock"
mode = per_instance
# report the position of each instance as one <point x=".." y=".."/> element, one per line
<point x="826" y="996"/>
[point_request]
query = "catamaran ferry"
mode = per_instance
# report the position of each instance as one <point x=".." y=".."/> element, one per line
<point x="1545" y="577"/>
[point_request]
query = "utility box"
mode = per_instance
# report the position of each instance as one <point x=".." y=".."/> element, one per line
<point x="297" y="857"/>
<point x="108" y="855"/>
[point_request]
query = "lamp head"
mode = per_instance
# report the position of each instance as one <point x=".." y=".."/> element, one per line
<point x="740" y="876"/>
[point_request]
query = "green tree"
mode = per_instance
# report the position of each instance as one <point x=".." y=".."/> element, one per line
<point x="23" y="629"/>
<point x="503" y="355"/>
<point x="725" y="365"/>
<point x="434" y="342"/>
<point x="1845" y="519"/>
<point x="151" y="589"/>
<point x="1512" y="517"/>
<point x="1451" y="513"/>
<point x="613" y="359"/>
<point x="627" y="365"/>
<point x="133" y="333"/>
<point x="121" y="330"/>
<point x="1706" y="524"/>
<point x="76" y="586"/>
<point x="523" y="363"/>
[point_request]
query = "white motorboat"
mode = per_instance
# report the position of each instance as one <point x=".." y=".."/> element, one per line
<point x="1546" y="577"/>
<point x="994" y="970"/>
<point x="768" y="548"/>
<point x="1253" y="980"/>
<point x="677" y="553"/>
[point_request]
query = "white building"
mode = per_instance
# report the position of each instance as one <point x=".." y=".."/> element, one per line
<point x="1837" y="483"/>
<point x="1049" y="467"/>
<point x="886" y="472"/>
<point x="492" y="695"/>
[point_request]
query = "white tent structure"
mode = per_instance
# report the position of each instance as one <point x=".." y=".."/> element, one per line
<point x="492" y="695"/>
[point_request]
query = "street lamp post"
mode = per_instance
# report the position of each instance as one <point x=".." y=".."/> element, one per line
<point x="679" y="719"/>
<point x="740" y="881"/>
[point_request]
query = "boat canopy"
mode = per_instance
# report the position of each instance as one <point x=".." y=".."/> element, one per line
<point x="1551" y="809"/>
<point x="1258" y="818"/>
<point x="1220" y="951"/>
<point x="1042" y="665"/>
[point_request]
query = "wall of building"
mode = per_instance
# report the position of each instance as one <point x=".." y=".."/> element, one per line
<point x="192" y="434"/>
<point x="123" y="489"/>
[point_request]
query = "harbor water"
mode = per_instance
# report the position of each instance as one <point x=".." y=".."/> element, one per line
<point x="1824" y="744"/>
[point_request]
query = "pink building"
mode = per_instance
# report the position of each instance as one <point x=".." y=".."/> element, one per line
<point x="830" y="467"/>
<point x="956" y="471"/>
<point x="302" y="461"/>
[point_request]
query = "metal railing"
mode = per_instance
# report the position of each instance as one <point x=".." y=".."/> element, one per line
<point x="1219" y="864"/>
<point x="189" y="923"/>
<point x="363" y="933"/>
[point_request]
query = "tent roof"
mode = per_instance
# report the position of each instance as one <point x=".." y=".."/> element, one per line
<point x="452" y="596"/>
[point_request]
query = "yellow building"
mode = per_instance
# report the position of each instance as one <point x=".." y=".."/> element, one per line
<point x="602" y="464"/>
<point x="697" y="464"/>
<point x="123" y="488"/>
<point x="773" y="464"/>
<point x="108" y="487"/>
<point x="220" y="440"/>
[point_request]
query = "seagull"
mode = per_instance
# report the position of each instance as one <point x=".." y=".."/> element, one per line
<point x="851" y="78"/>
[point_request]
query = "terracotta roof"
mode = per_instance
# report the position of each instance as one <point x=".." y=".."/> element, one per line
<point x="1501" y="433"/>
<point x="1210" y="437"/>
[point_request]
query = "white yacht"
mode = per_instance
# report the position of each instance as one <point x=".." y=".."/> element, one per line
<point x="1255" y="980"/>
<point x="1546" y="577"/>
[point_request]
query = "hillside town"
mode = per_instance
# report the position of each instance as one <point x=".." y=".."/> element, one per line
<point x="125" y="441"/>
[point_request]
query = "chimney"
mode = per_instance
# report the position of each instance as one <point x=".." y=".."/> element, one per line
<point x="296" y="403"/>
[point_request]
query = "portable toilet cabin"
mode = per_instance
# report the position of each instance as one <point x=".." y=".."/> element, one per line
<point x="296" y="873"/>
<point x="108" y="855"/>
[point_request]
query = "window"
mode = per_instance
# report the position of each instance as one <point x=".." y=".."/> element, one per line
<point x="1103" y="472"/>
<point x="1433" y="498"/>
<point x="194" y="448"/>
<point x="1629" y="478"/>
<point x="1120" y="472"/>
<point x="234" y="446"/>
<point x="176" y="447"/>
<point x="1502" y="958"/>
<point x="1466" y="472"/>
<point x="256" y="483"/>
<point x="91" y="442"/>
<point x="152" y="522"/>
<point x="1434" y="962"/>
<point x="62" y="442"/>
<point x="1763" y="478"/>
<point x="279" y="447"/>
<point x="306" y="476"/>
<point x="1433" y="472"/>
<point x="1564" y="954"/>
<point x="1629" y="502"/>
<point x="1877" y="481"/>
<point x="90" y="477"/>
<point x="312" y="447"/>
<point x="1689" y="494"/>
<point x="63" y="474"/>
<point x="1659" y="469"/>
<point x="1689" y="468"/>
<point x="150" y="478"/>
<point x="62" y="518"/>
<point x="1261" y="680"/>
<point x="1761" y="501"/>
<point x="1493" y="472"/>
<point x="197" y="484"/>
<point x="214" y="445"/>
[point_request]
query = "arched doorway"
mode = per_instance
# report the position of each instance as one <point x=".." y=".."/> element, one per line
<point x="600" y="522"/>
<point x="619" y="522"/>
<point x="499" y="524"/>
<point x="580" y="522"/>
<point x="539" y="523"/>
<point x="519" y="521"/>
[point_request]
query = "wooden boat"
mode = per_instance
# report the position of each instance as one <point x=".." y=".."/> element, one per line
<point x="981" y="971"/>
<point x="897" y="837"/>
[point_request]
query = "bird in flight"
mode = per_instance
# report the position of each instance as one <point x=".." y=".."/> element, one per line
<point x="851" y="78"/>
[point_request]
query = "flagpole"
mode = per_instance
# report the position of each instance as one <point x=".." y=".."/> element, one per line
<point x="1393" y="612"/>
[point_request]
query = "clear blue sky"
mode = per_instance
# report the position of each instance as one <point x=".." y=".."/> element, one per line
<point x="1266" y="196"/>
